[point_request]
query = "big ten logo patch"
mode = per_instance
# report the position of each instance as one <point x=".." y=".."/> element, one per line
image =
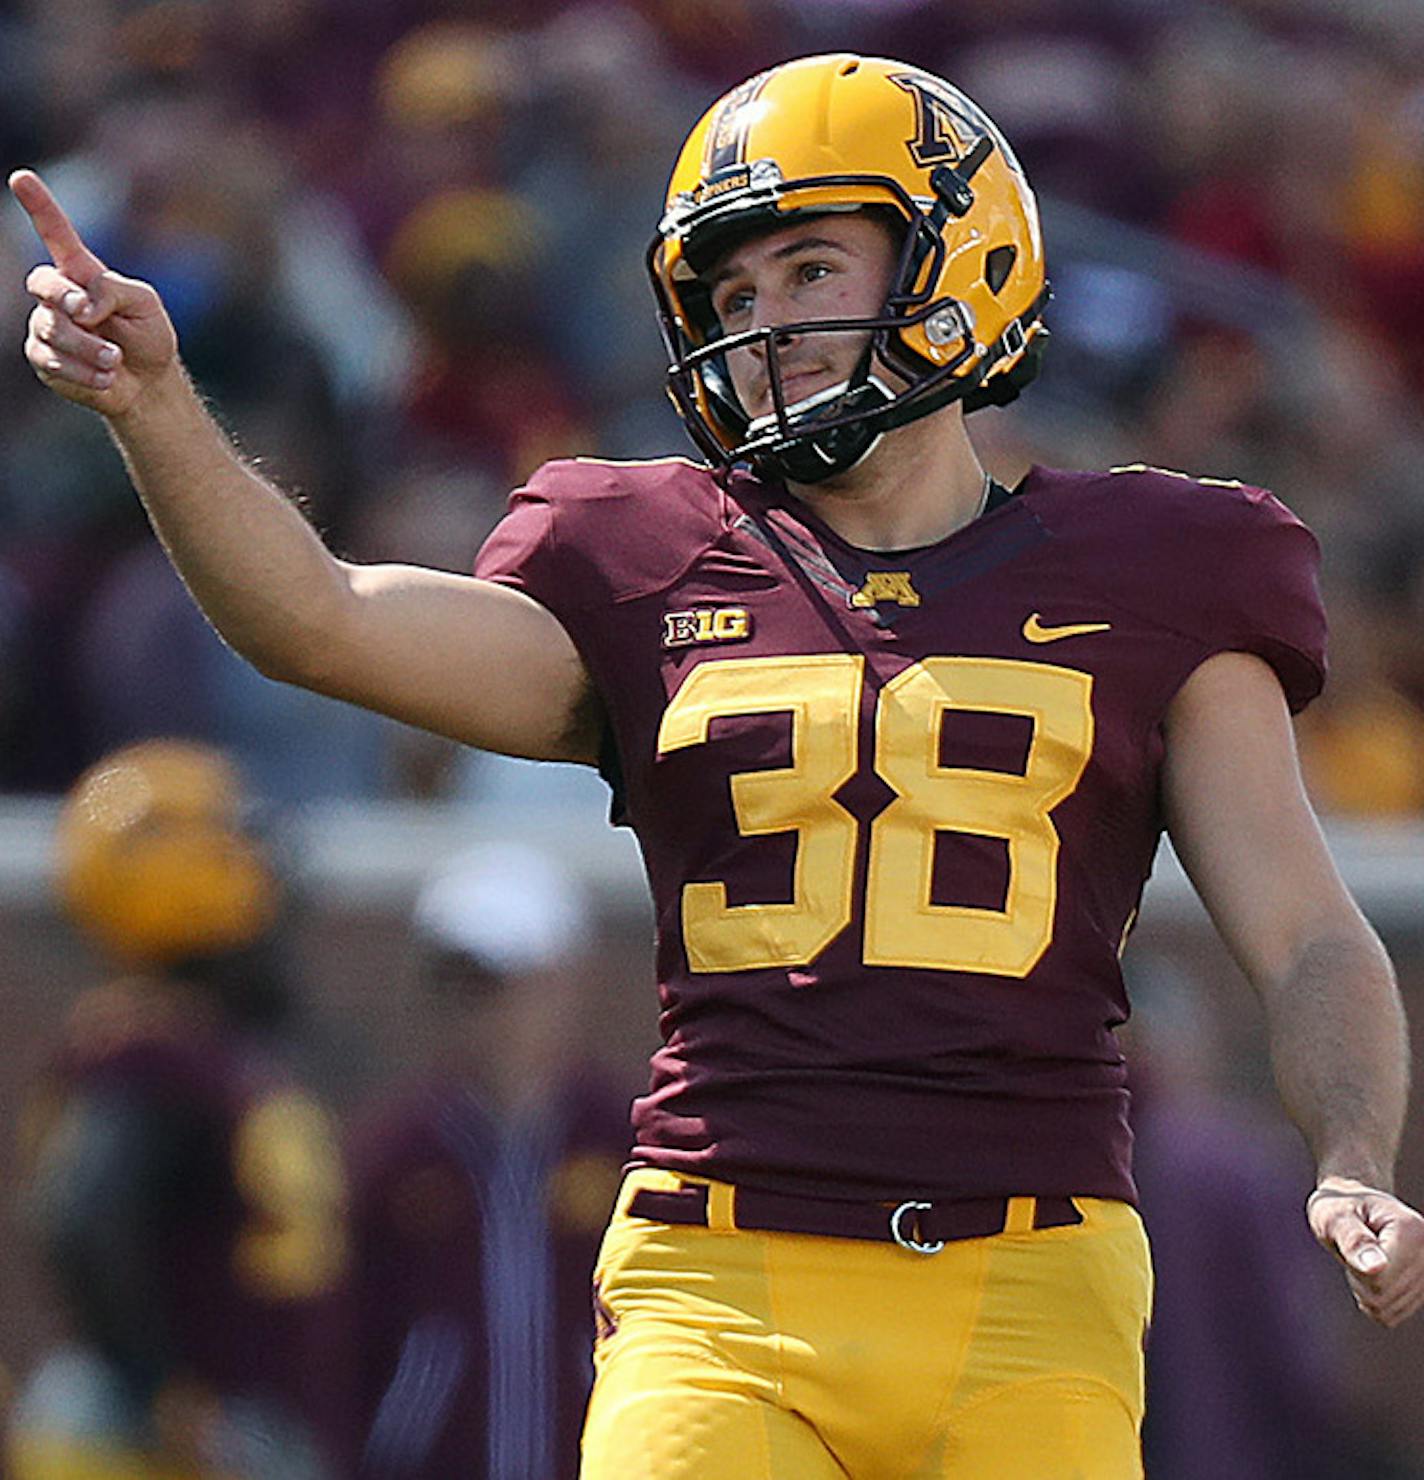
<point x="886" y="585"/>
<point x="706" y="624"/>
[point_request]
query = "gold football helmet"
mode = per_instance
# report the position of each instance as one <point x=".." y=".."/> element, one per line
<point x="962" y="321"/>
<point x="154" y="859"/>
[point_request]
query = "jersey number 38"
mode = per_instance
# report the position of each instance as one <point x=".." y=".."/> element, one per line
<point x="904" y="926"/>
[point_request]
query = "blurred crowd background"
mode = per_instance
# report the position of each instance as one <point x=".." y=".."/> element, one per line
<point x="403" y="242"/>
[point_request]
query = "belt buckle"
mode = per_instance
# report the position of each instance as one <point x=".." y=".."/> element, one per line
<point x="909" y="1241"/>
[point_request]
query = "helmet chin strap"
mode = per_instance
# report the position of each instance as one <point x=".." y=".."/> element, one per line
<point x="807" y="456"/>
<point x="812" y="457"/>
<point x="759" y="425"/>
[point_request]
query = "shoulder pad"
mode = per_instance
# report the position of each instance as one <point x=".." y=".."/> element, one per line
<point x="605" y="531"/>
<point x="1222" y="562"/>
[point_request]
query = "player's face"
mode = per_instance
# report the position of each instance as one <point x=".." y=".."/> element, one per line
<point x="833" y="267"/>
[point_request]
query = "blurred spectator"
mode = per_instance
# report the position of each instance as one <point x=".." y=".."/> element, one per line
<point x="485" y="387"/>
<point x="186" y="1193"/>
<point x="1213" y="410"/>
<point x="480" y="1193"/>
<point x="1240" y="1379"/>
<point x="1061" y="80"/>
<point x="147" y="663"/>
<point x="1362" y="750"/>
<point x="444" y="97"/>
<point x="204" y="208"/>
<point x="1363" y="754"/>
<point x="716" y="49"/>
<point x="19" y="101"/>
<point x="601" y="161"/>
<point x="305" y="67"/>
<point x="415" y="228"/>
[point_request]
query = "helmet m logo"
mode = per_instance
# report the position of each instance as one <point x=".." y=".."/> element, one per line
<point x="947" y="124"/>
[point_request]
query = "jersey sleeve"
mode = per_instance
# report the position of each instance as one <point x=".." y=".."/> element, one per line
<point x="583" y="534"/>
<point x="1268" y="601"/>
<point x="522" y="550"/>
<point x="1233" y="569"/>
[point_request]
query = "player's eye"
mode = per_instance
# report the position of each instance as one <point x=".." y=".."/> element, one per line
<point x="733" y="304"/>
<point x="810" y="272"/>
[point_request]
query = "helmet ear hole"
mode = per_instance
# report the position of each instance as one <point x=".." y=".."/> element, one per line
<point x="998" y="265"/>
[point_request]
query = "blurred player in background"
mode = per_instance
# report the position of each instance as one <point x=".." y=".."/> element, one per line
<point x="1241" y="1358"/>
<point x="186" y="1194"/>
<point x="899" y="744"/>
<point x="481" y="1191"/>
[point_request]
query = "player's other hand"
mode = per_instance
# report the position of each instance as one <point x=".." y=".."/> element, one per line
<point x="94" y="337"/>
<point x="1379" y="1240"/>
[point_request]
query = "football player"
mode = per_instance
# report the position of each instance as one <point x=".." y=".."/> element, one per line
<point x="899" y="744"/>
<point x="186" y="1193"/>
<point x="480" y="1188"/>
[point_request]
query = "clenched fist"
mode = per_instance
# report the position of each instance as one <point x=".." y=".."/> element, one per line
<point x="1379" y="1240"/>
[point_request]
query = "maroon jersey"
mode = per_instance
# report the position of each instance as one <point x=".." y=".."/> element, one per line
<point x="207" y="1228"/>
<point x="474" y="1245"/>
<point x="897" y="809"/>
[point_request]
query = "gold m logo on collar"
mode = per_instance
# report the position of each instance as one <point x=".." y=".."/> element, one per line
<point x="886" y="585"/>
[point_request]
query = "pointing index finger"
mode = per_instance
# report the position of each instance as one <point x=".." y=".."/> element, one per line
<point x="64" y="244"/>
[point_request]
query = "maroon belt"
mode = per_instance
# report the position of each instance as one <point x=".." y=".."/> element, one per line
<point x="924" y="1227"/>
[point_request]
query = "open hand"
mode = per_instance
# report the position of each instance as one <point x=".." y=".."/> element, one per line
<point x="95" y="337"/>
<point x="1379" y="1240"/>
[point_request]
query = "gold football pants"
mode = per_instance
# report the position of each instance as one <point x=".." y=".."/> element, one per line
<point x="728" y="1354"/>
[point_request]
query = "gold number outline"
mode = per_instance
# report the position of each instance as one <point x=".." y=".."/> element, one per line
<point x="826" y="687"/>
<point x="903" y="926"/>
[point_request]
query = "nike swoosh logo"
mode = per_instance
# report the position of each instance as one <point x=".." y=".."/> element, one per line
<point x="1035" y="631"/>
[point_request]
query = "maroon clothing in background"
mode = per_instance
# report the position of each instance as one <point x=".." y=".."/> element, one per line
<point x="234" y="1205"/>
<point x="1241" y="1378"/>
<point x="471" y="1301"/>
<point x="863" y="777"/>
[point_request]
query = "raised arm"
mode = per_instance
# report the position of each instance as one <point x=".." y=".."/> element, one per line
<point x="1245" y="833"/>
<point x="465" y="658"/>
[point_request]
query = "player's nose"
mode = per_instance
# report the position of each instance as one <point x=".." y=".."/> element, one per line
<point x="771" y="309"/>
